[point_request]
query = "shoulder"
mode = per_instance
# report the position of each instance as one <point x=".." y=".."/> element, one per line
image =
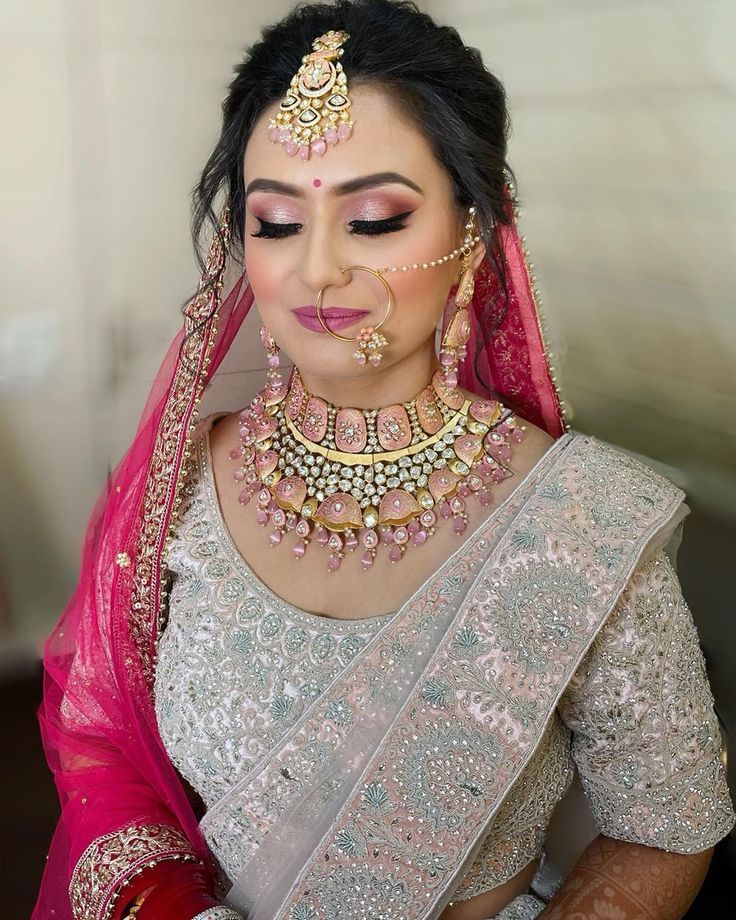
<point x="600" y="469"/>
<point x="534" y="446"/>
<point x="223" y="432"/>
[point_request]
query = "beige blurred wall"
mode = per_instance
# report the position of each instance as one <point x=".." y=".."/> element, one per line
<point x="624" y="145"/>
<point x="109" y="109"/>
<point x="624" y="142"/>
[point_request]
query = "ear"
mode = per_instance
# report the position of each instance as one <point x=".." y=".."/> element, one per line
<point x="477" y="255"/>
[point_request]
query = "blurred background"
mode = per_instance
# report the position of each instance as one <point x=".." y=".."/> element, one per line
<point x="624" y="144"/>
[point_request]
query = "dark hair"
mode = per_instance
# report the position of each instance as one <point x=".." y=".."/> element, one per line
<point x="441" y="83"/>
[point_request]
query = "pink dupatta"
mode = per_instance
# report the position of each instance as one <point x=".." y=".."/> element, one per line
<point x="124" y="807"/>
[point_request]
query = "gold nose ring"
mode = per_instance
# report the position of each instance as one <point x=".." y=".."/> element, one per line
<point x="369" y="340"/>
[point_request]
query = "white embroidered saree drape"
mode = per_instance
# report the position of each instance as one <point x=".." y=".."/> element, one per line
<point x="381" y="796"/>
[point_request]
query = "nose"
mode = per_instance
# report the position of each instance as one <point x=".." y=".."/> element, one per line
<point x="320" y="267"/>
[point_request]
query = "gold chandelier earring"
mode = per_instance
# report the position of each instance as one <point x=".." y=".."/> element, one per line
<point x="457" y="333"/>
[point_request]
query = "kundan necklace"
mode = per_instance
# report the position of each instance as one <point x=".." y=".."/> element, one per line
<point x="352" y="479"/>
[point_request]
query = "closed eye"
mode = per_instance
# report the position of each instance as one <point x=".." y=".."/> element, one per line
<point x="375" y="227"/>
<point x="273" y="231"/>
<point x="276" y="231"/>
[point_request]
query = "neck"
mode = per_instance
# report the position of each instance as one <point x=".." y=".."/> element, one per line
<point x="382" y="386"/>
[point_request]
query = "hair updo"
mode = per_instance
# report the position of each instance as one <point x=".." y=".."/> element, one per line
<point x="441" y="84"/>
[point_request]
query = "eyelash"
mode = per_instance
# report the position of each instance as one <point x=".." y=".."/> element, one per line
<point x="276" y="231"/>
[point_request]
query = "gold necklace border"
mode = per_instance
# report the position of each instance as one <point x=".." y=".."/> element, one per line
<point x="384" y="456"/>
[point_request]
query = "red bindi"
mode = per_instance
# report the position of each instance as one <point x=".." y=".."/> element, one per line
<point x="316" y="183"/>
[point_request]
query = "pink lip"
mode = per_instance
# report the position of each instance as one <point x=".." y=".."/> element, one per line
<point x="335" y="317"/>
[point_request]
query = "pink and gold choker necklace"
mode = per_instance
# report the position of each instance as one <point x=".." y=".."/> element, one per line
<point x="352" y="479"/>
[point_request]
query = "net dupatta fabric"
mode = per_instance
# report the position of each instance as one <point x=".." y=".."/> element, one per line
<point x="124" y="807"/>
<point x="508" y="355"/>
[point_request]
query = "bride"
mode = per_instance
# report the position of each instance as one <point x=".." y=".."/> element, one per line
<point x="338" y="651"/>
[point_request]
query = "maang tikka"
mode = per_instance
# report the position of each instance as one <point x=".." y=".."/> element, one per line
<point x="314" y="113"/>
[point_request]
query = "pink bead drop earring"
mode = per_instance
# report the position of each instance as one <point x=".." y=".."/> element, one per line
<point x="275" y="380"/>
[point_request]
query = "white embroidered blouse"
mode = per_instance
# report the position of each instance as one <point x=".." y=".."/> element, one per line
<point x="237" y="666"/>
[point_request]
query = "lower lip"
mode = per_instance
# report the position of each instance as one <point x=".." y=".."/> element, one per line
<point x="334" y="322"/>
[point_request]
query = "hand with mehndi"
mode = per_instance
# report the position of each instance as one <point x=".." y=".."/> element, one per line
<point x="627" y="881"/>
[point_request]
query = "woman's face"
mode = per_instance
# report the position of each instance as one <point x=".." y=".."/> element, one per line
<point x="378" y="199"/>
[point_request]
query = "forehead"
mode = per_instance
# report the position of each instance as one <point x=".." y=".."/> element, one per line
<point x="384" y="139"/>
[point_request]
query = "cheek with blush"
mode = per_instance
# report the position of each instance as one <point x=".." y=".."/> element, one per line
<point x="264" y="279"/>
<point x="420" y="296"/>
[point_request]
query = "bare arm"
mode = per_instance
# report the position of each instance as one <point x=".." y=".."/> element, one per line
<point x="627" y="881"/>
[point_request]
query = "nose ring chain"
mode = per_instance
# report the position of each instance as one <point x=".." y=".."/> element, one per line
<point x="369" y="340"/>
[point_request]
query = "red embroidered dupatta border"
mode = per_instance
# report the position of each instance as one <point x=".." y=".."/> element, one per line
<point x="124" y="807"/>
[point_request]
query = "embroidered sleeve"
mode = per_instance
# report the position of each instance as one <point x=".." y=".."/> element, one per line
<point x="646" y="739"/>
<point x="111" y="861"/>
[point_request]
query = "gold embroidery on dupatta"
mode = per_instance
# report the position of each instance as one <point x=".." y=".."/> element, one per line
<point x="566" y="412"/>
<point x="114" y="859"/>
<point x="162" y="493"/>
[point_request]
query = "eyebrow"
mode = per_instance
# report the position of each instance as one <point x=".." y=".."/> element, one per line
<point x="343" y="188"/>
